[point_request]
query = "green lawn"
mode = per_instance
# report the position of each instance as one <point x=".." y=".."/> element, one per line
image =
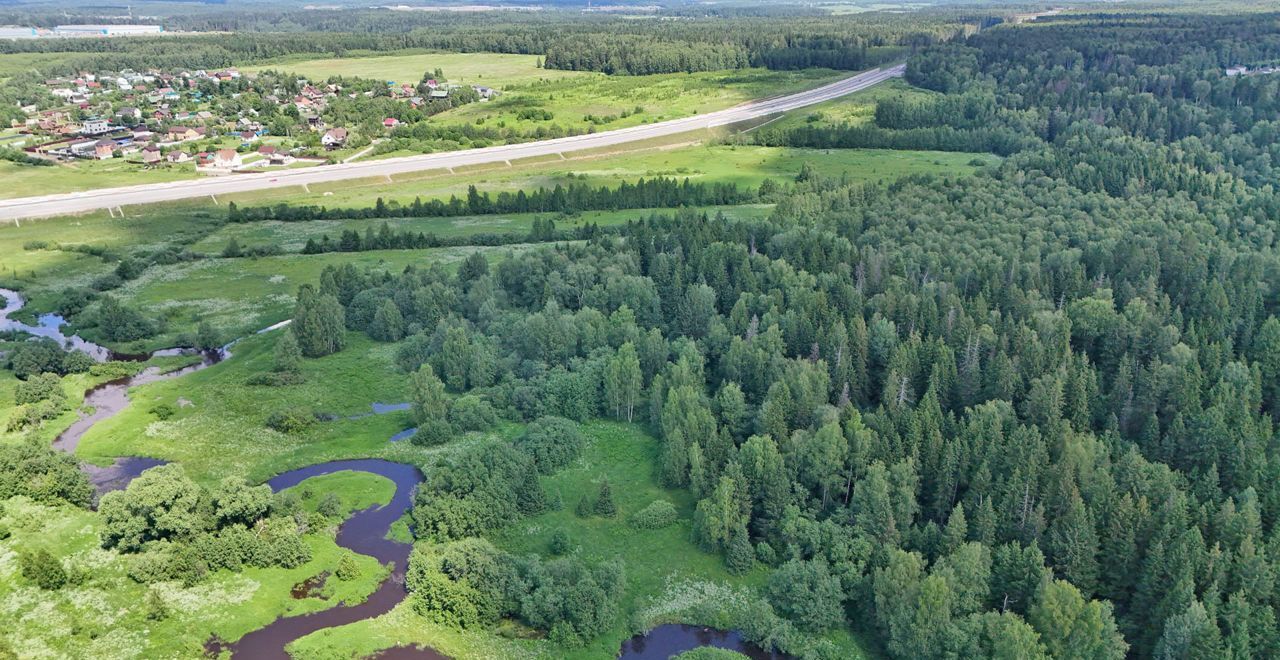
<point x="13" y="63"/>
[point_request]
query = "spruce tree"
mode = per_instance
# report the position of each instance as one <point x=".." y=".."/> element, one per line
<point x="604" y="501"/>
<point x="739" y="557"/>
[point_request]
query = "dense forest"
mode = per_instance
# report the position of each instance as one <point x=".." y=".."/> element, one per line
<point x="1022" y="414"/>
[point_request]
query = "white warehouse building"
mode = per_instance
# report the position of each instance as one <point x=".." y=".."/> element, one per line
<point x="15" y="32"/>
<point x="105" y="30"/>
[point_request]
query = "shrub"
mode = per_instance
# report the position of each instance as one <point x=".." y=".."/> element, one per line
<point x="43" y="569"/>
<point x="330" y="505"/>
<point x="291" y="420"/>
<point x="559" y="543"/>
<point x="275" y="379"/>
<point x="657" y="515"/>
<point x="38" y="388"/>
<point x="552" y="443"/>
<point x="347" y="569"/>
<point x="163" y="411"/>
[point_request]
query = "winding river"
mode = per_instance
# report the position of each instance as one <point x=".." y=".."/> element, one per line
<point x="364" y="532"/>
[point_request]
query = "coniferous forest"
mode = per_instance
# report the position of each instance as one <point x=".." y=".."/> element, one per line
<point x="1025" y="413"/>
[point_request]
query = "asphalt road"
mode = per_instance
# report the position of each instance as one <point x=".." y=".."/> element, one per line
<point x="110" y="198"/>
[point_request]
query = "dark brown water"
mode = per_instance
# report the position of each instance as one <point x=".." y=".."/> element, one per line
<point x="365" y="533"/>
<point x="672" y="639"/>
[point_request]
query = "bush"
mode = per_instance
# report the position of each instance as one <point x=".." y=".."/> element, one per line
<point x="330" y="505"/>
<point x="559" y="543"/>
<point x="38" y="388"/>
<point x="552" y="443"/>
<point x="347" y="569"/>
<point x="43" y="569"/>
<point x="275" y="379"/>
<point x="163" y="411"/>
<point x="106" y="282"/>
<point x="291" y="420"/>
<point x="657" y="515"/>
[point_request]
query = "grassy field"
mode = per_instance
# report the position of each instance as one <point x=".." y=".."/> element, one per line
<point x="14" y="63"/>
<point x="646" y="99"/>
<point x="743" y="165"/>
<point x="491" y="69"/>
<point x="26" y="180"/>
<point x="223" y="433"/>
<point x="106" y="615"/>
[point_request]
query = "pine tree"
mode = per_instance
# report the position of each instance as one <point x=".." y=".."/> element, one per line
<point x="604" y="501"/>
<point x="586" y="508"/>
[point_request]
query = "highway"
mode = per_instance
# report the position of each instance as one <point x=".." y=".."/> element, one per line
<point x="112" y="198"/>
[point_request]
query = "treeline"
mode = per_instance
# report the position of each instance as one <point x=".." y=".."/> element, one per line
<point x="542" y="231"/>
<point x="711" y="41"/>
<point x="997" y="140"/>
<point x="659" y="192"/>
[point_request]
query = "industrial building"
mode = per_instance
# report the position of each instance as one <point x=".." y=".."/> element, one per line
<point x="105" y="30"/>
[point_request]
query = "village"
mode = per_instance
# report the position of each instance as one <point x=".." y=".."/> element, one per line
<point x="222" y="122"/>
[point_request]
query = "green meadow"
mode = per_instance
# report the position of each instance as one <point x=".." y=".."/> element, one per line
<point x="492" y="69"/>
<point x="106" y="614"/>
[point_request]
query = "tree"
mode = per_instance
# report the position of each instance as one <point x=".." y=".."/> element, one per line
<point x="347" y="569"/>
<point x="287" y="357"/>
<point x="232" y="250"/>
<point x="559" y="543"/>
<point x="604" y="501"/>
<point x="387" y="323"/>
<point x="996" y="635"/>
<point x="430" y="408"/>
<point x="807" y="593"/>
<point x="622" y="382"/>
<point x="740" y="556"/>
<point x="319" y="323"/>
<point x="718" y="516"/>
<point x="1190" y="634"/>
<point x="1072" y="627"/>
<point x="161" y="504"/>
